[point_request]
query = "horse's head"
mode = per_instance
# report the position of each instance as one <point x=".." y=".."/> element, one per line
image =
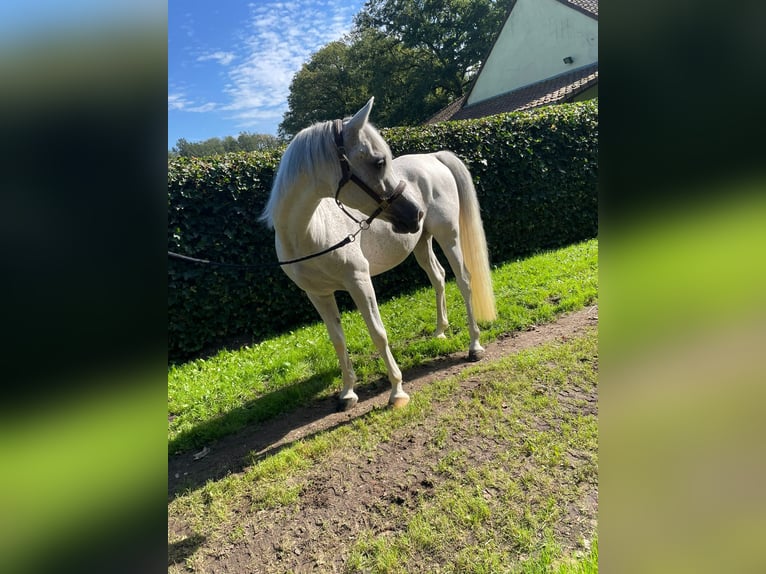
<point x="373" y="181"/>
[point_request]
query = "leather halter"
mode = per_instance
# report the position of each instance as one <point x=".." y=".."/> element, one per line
<point x="347" y="175"/>
<point x="383" y="203"/>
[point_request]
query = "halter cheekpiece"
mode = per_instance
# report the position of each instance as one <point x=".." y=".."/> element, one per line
<point x="347" y="175"/>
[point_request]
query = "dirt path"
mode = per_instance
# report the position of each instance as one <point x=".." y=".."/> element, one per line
<point x="232" y="453"/>
<point x="346" y="495"/>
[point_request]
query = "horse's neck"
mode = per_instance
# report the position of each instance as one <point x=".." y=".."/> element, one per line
<point x="299" y="219"/>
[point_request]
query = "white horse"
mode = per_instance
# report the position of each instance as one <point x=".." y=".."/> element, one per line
<point x="339" y="192"/>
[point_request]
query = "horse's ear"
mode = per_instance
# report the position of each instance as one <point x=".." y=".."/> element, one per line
<point x="360" y="118"/>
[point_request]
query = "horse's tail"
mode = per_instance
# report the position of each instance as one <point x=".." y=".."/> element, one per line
<point x="472" y="239"/>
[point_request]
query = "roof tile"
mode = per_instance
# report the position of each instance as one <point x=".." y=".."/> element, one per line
<point x="588" y="6"/>
<point x="553" y="90"/>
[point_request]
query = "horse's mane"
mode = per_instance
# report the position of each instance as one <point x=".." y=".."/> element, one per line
<point x="310" y="151"/>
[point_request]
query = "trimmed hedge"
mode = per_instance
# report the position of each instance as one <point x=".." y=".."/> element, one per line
<point x="535" y="173"/>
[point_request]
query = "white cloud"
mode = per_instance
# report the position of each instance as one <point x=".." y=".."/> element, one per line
<point x="223" y="58"/>
<point x="188" y="25"/>
<point x="180" y="102"/>
<point x="203" y="108"/>
<point x="281" y="37"/>
<point x="177" y="102"/>
<point x="266" y="52"/>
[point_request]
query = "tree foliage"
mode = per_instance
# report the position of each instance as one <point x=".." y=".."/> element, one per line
<point x="322" y="89"/>
<point x="456" y="33"/>
<point x="414" y="56"/>
<point x="216" y="146"/>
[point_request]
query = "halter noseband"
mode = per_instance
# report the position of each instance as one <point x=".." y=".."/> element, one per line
<point x="347" y="175"/>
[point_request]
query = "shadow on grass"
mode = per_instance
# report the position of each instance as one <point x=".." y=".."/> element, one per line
<point x="183" y="549"/>
<point x="261" y="409"/>
<point x="249" y="433"/>
<point x="243" y="438"/>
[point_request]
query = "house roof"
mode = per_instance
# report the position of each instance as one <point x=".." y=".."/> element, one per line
<point x="588" y="7"/>
<point x="557" y="89"/>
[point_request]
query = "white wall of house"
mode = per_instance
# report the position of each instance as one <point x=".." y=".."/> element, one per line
<point x="532" y="46"/>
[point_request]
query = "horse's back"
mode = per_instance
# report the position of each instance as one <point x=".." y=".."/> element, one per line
<point x="420" y="165"/>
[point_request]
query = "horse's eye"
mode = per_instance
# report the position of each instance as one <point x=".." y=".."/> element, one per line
<point x="380" y="162"/>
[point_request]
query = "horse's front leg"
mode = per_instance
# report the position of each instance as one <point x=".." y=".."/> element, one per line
<point x="327" y="307"/>
<point x="363" y="295"/>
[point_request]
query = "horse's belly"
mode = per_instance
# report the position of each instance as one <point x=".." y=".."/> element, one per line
<point x="387" y="250"/>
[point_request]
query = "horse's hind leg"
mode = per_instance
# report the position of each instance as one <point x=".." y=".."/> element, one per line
<point x="328" y="310"/>
<point x="452" y="251"/>
<point x="426" y="258"/>
<point x="363" y="295"/>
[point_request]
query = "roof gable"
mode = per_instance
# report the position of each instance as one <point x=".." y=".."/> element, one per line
<point x="546" y="52"/>
<point x="539" y="39"/>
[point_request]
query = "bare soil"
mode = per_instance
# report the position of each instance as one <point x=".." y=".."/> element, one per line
<point x="347" y="496"/>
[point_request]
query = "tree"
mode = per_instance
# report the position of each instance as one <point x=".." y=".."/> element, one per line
<point x="341" y="77"/>
<point x="457" y="33"/>
<point x="257" y="142"/>
<point x="216" y="146"/>
<point x="414" y="56"/>
<point x="402" y="79"/>
<point x="325" y="87"/>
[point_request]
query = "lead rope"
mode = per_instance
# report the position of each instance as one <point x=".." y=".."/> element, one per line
<point x="363" y="224"/>
<point x="343" y="242"/>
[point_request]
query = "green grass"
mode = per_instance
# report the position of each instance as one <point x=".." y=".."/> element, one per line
<point x="484" y="517"/>
<point x="210" y="398"/>
<point x="499" y="514"/>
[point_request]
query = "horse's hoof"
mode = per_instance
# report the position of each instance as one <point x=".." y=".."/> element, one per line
<point x="474" y="355"/>
<point x="347" y="404"/>
<point x="398" y="402"/>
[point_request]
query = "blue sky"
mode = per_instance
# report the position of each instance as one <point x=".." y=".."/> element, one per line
<point x="230" y="62"/>
<point x="27" y="21"/>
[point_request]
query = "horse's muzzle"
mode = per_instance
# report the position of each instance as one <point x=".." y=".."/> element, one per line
<point x="411" y="227"/>
<point x="405" y="215"/>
